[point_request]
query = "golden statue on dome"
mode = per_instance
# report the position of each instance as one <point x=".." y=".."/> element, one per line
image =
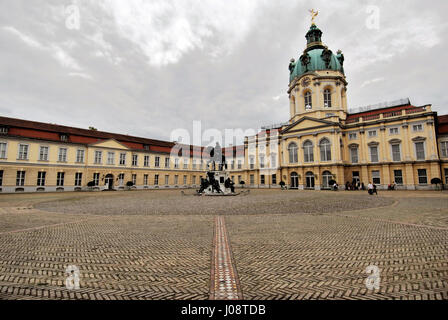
<point x="313" y="15"/>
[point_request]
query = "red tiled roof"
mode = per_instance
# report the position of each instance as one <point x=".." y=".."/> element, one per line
<point x="52" y="132"/>
<point x="378" y="111"/>
<point x="442" y="127"/>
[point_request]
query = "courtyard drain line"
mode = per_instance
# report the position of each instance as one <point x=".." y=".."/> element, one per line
<point x="224" y="284"/>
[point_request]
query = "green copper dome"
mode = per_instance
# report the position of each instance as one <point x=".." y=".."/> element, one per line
<point x="315" y="57"/>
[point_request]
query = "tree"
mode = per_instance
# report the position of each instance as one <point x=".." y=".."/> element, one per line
<point x="331" y="182"/>
<point x="282" y="184"/>
<point x="129" y="184"/>
<point x="242" y="183"/>
<point x="93" y="129"/>
<point x="436" y="181"/>
<point x="91" y="184"/>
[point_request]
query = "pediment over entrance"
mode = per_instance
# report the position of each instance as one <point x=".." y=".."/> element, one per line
<point x="111" y="143"/>
<point x="307" y="123"/>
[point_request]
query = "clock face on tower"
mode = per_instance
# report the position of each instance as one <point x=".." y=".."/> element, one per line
<point x="306" y="82"/>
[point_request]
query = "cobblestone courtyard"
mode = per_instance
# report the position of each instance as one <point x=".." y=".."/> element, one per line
<point x="270" y="244"/>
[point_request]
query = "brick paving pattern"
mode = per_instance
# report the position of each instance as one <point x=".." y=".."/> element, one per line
<point x="289" y="245"/>
<point x="224" y="278"/>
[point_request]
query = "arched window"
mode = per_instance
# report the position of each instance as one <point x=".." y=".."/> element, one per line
<point x="327" y="98"/>
<point x="308" y="154"/>
<point x="292" y="150"/>
<point x="308" y="100"/>
<point x="325" y="150"/>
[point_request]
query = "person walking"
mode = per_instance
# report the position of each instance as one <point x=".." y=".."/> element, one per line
<point x="370" y="188"/>
<point x="374" y="189"/>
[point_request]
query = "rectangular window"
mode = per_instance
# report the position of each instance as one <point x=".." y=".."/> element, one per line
<point x="23" y="152"/>
<point x="3" y="130"/>
<point x="444" y="148"/>
<point x="80" y="156"/>
<point x="232" y="165"/>
<point x="176" y="180"/>
<point x="20" y="179"/>
<point x="98" y="157"/>
<point x="393" y="131"/>
<point x="194" y="164"/>
<point x="398" y="177"/>
<point x="146" y="161"/>
<point x="252" y="179"/>
<point x="374" y="154"/>
<point x="261" y="160"/>
<point x="352" y="136"/>
<point x="62" y="155"/>
<point x="262" y="179"/>
<point x="78" y="179"/>
<point x="446" y="176"/>
<point x="274" y="179"/>
<point x="420" y="150"/>
<point x="122" y="159"/>
<point x="157" y="162"/>
<point x="185" y="180"/>
<point x="134" y="179"/>
<point x="156" y="180"/>
<point x="193" y="180"/>
<point x="273" y="161"/>
<point x="135" y="160"/>
<point x="202" y="165"/>
<point x="185" y="163"/>
<point x="96" y="179"/>
<point x="251" y="161"/>
<point x="3" y="147"/>
<point x="417" y="127"/>
<point x="1" y="177"/>
<point x="354" y="155"/>
<point x="121" y="179"/>
<point x="167" y="180"/>
<point x="372" y="133"/>
<point x="60" y="179"/>
<point x="167" y="162"/>
<point x="110" y="157"/>
<point x="376" y="177"/>
<point x="145" y="179"/>
<point x="396" y="155"/>
<point x="176" y="164"/>
<point x="41" y="178"/>
<point x="422" y="178"/>
<point x="240" y="164"/>
<point x="43" y="153"/>
<point x="239" y="179"/>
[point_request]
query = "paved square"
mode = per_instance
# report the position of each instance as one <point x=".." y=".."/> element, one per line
<point x="270" y="244"/>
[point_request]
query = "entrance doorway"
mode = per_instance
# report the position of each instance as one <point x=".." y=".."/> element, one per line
<point x="109" y="181"/>
<point x="294" y="180"/>
<point x="309" y="180"/>
<point x="326" y="178"/>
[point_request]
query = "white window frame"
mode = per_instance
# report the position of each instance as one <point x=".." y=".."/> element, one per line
<point x="424" y="150"/>
<point x="20" y="178"/>
<point x="352" y="135"/>
<point x="41" y="180"/>
<point x="444" y="148"/>
<point x="369" y="133"/>
<point x="377" y="153"/>
<point x="146" y="160"/>
<point x="354" y="149"/>
<point x="415" y="127"/>
<point x="425" y="176"/>
<point x="135" y="160"/>
<point x="62" y="156"/>
<point x="394" y="133"/>
<point x="4" y="152"/>
<point x="157" y="162"/>
<point x="145" y="179"/>
<point x="392" y="151"/>
<point x="122" y="159"/>
<point x="78" y="179"/>
<point x="60" y="177"/>
<point x="80" y="154"/>
<point x="375" y="176"/>
<point x="156" y="180"/>
<point x="19" y="152"/>
<point x="96" y="159"/>
<point x="110" y="158"/>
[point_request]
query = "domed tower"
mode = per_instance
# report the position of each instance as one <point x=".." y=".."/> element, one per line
<point x="317" y="85"/>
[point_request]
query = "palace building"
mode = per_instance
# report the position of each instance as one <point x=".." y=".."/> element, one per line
<point x="322" y="141"/>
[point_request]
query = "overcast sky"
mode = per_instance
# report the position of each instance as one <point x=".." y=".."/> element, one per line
<point x="147" y="67"/>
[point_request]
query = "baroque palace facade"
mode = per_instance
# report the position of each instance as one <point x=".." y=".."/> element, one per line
<point x="322" y="141"/>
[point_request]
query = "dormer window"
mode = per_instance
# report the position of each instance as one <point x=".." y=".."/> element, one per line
<point x="63" y="137"/>
<point x="3" y="130"/>
<point x="146" y="146"/>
